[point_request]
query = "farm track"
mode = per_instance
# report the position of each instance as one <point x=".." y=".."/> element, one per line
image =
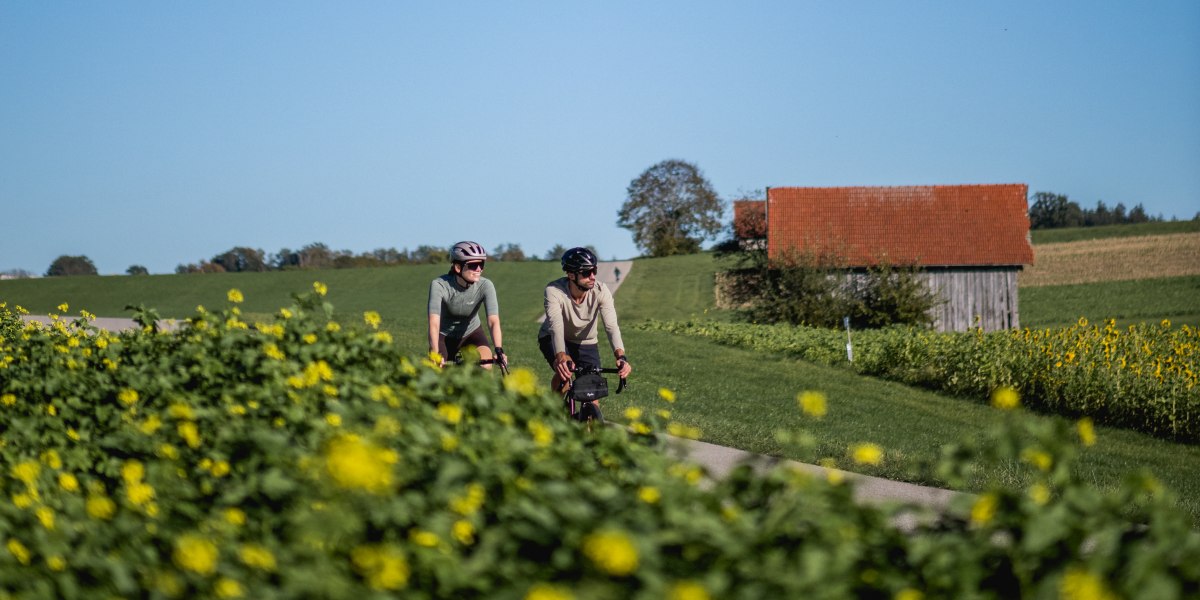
<point x="1113" y="259"/>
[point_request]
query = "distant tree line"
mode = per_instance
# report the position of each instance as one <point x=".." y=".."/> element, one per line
<point x="319" y="256"/>
<point x="1051" y="211"/>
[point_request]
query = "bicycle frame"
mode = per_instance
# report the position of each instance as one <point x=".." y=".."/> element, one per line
<point x="576" y="407"/>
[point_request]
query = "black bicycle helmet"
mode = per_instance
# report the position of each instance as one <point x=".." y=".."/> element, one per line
<point x="467" y="251"/>
<point x="578" y="259"/>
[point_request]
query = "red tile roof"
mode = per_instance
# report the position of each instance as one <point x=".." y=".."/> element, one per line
<point x="939" y="225"/>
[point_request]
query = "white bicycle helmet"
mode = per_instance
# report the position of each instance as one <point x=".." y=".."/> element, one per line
<point x="467" y="251"/>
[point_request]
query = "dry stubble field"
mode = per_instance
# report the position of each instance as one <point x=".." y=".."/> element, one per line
<point x="1114" y="259"/>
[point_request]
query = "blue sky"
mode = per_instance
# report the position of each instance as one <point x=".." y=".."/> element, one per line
<point x="160" y="133"/>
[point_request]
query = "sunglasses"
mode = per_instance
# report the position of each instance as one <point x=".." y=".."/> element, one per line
<point x="586" y="272"/>
<point x="473" y="266"/>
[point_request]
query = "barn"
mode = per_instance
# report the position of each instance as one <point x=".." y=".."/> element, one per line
<point x="969" y="241"/>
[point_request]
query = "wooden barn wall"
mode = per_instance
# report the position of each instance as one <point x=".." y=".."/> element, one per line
<point x="989" y="293"/>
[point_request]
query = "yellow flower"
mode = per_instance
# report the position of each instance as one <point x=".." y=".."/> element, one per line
<point x="1006" y="398"/>
<point x="228" y="588"/>
<point x="372" y="318"/>
<point x="426" y="539"/>
<point x="8" y="399"/>
<point x="908" y="594"/>
<point x="1087" y="431"/>
<point x="357" y="464"/>
<point x="522" y="381"/>
<point x="649" y="494"/>
<point x="542" y="434"/>
<point x="633" y="413"/>
<point x="64" y="307"/>
<point x="867" y="454"/>
<point x="666" y="394"/>
<point x="257" y="557"/>
<point x="235" y="296"/>
<point x="334" y="419"/>
<point x="285" y="313"/>
<point x="52" y="459"/>
<point x="1039" y="493"/>
<point x="612" y="552"/>
<point x="812" y="403"/>
<point x="1083" y="321"/>
<point x="984" y="509"/>
<point x="196" y="554"/>
<point x="470" y="502"/>
<point x="56" y="563"/>
<point x="309" y="338"/>
<point x="688" y="590"/>
<point x="383" y="336"/>
<point x="18" y="550"/>
<point x="333" y="327"/>
<point x="1166" y="323"/>
<point x="139" y="494"/>
<point x="450" y="413"/>
<point x="127" y="396"/>
<point x="190" y="434"/>
<point x="100" y="507"/>
<point x="546" y="591"/>
<point x="235" y="516"/>
<point x="383" y="566"/>
<point x="1038" y="458"/>
<point x="68" y="482"/>
<point x="132" y="471"/>
<point x="150" y="425"/>
<point x="464" y="532"/>
<point x="1081" y="584"/>
<point x="45" y="515"/>
<point x="320" y="288"/>
<point x="272" y="351"/>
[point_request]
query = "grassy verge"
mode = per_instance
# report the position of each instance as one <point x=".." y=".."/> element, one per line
<point x="741" y="398"/>
<point x="1173" y="298"/>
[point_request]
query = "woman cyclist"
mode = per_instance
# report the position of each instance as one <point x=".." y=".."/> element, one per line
<point x="573" y="306"/>
<point x="454" y="300"/>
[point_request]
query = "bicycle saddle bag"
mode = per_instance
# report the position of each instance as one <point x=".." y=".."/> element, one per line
<point x="590" y="386"/>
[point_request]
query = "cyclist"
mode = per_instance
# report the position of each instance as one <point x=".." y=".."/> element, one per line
<point x="573" y="304"/>
<point x="454" y="300"/>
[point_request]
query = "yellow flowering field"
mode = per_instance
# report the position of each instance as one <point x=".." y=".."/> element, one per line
<point x="302" y="458"/>
<point x="1142" y="377"/>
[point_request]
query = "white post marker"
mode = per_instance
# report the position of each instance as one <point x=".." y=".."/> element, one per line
<point x="849" y="344"/>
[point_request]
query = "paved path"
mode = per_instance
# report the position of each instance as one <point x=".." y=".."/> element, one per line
<point x="113" y="324"/>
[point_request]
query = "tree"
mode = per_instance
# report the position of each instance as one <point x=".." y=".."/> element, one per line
<point x="671" y="208"/>
<point x="555" y="253"/>
<point x="241" y="259"/>
<point x="510" y="252"/>
<point x="71" y="265"/>
<point x="1050" y="210"/>
<point x="137" y="270"/>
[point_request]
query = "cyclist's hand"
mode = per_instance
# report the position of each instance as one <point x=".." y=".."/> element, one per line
<point x="502" y="357"/>
<point x="563" y="366"/>
<point x="625" y="368"/>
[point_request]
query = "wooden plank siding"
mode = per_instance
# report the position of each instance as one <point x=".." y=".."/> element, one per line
<point x="969" y="296"/>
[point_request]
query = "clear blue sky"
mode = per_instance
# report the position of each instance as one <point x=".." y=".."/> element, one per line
<point x="160" y="133"/>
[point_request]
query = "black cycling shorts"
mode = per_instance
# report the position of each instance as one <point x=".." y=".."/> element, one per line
<point x="584" y="356"/>
<point x="449" y="347"/>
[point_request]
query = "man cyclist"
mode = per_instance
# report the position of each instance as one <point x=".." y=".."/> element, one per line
<point x="454" y="300"/>
<point x="573" y="304"/>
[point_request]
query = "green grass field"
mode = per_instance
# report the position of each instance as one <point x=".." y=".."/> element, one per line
<point x="1075" y="234"/>
<point x="736" y="397"/>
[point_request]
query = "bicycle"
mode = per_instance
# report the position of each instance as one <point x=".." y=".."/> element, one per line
<point x="459" y="360"/>
<point x="587" y="386"/>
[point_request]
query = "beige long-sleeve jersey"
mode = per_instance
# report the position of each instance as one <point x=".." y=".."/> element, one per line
<point x="576" y="323"/>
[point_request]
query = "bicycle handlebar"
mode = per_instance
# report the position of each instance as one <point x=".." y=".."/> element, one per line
<point x="577" y="370"/>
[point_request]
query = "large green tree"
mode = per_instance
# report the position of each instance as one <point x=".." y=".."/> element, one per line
<point x="671" y="208"/>
<point x="71" y="265"/>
